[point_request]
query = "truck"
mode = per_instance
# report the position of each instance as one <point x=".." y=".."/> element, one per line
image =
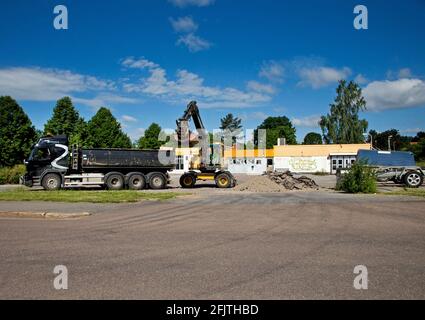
<point x="397" y="166"/>
<point x="53" y="165"/>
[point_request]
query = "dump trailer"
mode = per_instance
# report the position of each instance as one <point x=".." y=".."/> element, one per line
<point x="397" y="166"/>
<point x="53" y="166"/>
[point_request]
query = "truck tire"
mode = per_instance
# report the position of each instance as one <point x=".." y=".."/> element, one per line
<point x="413" y="179"/>
<point x="115" y="181"/>
<point x="188" y="180"/>
<point x="157" y="181"/>
<point x="51" y="181"/>
<point x="136" y="181"/>
<point x="223" y="180"/>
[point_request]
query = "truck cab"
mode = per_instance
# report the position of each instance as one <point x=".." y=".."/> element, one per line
<point x="49" y="155"/>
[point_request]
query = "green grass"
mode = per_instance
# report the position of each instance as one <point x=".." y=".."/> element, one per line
<point x="407" y="192"/>
<point x="102" y="196"/>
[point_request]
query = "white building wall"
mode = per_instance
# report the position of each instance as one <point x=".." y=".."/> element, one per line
<point x="303" y="164"/>
<point x="254" y="166"/>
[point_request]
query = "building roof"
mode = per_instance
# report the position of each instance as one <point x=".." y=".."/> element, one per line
<point x="318" y="150"/>
<point x="252" y="153"/>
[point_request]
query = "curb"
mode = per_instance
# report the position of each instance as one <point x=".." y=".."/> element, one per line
<point x="44" y="215"/>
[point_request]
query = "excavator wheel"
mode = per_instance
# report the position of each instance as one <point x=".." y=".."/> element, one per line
<point x="223" y="180"/>
<point x="187" y="181"/>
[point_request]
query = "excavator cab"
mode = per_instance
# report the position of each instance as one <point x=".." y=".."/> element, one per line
<point x="210" y="154"/>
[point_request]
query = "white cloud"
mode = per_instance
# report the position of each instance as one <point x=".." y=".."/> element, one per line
<point x="360" y="79"/>
<point x="412" y="131"/>
<point x="318" y="77"/>
<point x="197" y="3"/>
<point x="140" y="63"/>
<point x="104" y="99"/>
<point x="254" y="116"/>
<point x="260" y="87"/>
<point x="272" y="71"/>
<point x="307" y="122"/>
<point x="184" y="24"/>
<point x="397" y="94"/>
<point x="127" y="118"/>
<point x="193" y="42"/>
<point x="404" y="73"/>
<point x="187" y="86"/>
<point x="40" y="84"/>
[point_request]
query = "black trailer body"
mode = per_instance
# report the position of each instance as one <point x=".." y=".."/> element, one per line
<point x="125" y="160"/>
<point x="53" y="166"/>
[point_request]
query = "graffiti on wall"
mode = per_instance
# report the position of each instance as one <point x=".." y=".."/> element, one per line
<point x="303" y="164"/>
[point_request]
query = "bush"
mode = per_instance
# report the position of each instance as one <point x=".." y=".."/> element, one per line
<point x="358" y="179"/>
<point x="10" y="175"/>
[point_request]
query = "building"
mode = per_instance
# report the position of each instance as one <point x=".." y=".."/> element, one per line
<point x="248" y="161"/>
<point x="325" y="158"/>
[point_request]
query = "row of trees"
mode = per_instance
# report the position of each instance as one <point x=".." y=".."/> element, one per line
<point x="341" y="125"/>
<point x="17" y="133"/>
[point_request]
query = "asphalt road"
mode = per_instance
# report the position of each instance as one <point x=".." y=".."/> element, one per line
<point x="220" y="245"/>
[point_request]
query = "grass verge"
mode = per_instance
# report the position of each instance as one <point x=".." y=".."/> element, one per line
<point x="93" y="196"/>
<point x="407" y="192"/>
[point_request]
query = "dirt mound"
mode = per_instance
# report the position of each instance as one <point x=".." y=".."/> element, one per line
<point x="276" y="182"/>
<point x="259" y="184"/>
<point x="289" y="182"/>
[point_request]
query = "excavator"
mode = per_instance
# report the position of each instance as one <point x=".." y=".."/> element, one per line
<point x="210" y="165"/>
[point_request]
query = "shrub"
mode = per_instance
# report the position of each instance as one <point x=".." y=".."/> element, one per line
<point x="10" y="175"/>
<point x="358" y="179"/>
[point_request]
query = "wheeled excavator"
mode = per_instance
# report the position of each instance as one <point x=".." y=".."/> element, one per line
<point x="209" y="169"/>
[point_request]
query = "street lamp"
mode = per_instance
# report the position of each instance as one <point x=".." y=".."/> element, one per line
<point x="389" y="142"/>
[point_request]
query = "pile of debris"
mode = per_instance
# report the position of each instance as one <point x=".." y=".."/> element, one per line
<point x="289" y="182"/>
<point x="276" y="182"/>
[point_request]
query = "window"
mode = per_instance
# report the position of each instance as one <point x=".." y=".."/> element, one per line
<point x="259" y="161"/>
<point x="179" y="163"/>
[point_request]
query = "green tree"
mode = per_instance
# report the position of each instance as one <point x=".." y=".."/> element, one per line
<point x="229" y="122"/>
<point x="313" y="138"/>
<point x="17" y="133"/>
<point x="66" y="120"/>
<point x="342" y="124"/>
<point x="277" y="127"/>
<point x="150" y="139"/>
<point x="104" y="131"/>
<point x="397" y="142"/>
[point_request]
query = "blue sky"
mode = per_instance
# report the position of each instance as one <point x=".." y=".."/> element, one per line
<point x="147" y="59"/>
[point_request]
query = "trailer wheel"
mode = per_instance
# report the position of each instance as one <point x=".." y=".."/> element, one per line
<point x="223" y="180"/>
<point x="115" y="181"/>
<point x="413" y="179"/>
<point x="136" y="181"/>
<point x="187" y="181"/>
<point x="51" y="181"/>
<point x="157" y="181"/>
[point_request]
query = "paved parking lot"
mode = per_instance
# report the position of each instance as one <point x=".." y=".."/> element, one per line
<point x="217" y="245"/>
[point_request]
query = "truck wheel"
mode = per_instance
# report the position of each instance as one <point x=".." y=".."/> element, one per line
<point x="136" y="182"/>
<point x="115" y="181"/>
<point x="157" y="181"/>
<point x="51" y="181"/>
<point x="223" y="180"/>
<point x="187" y="181"/>
<point x="413" y="179"/>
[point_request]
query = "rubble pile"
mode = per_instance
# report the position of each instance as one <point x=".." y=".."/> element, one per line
<point x="289" y="182"/>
